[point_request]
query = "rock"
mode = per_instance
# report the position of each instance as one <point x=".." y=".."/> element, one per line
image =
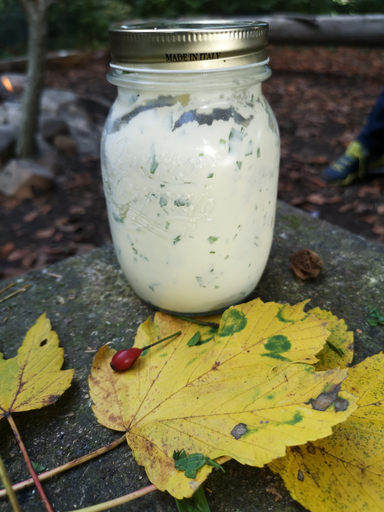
<point x="65" y="145"/>
<point x="47" y="156"/>
<point x="8" y="136"/>
<point x="52" y="125"/>
<point x="13" y="110"/>
<point x="3" y="115"/>
<point x="21" y="178"/>
<point x="86" y="133"/>
<point x="52" y="99"/>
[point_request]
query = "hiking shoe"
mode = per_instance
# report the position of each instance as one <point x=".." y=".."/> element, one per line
<point x="354" y="163"/>
<point x="350" y="166"/>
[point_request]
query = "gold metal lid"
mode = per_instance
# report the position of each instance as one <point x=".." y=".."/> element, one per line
<point x="188" y="46"/>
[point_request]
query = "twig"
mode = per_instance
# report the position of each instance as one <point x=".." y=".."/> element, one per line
<point x="39" y="487"/>
<point x="15" y="293"/>
<point x="68" y="465"/>
<point x="6" y="288"/>
<point x="8" y="487"/>
<point x="52" y="274"/>
<point x="118" y="501"/>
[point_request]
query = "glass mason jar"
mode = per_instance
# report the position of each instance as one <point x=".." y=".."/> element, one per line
<point x="190" y="159"/>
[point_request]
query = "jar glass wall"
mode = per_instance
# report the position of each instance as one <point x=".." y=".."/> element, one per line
<point x="190" y="168"/>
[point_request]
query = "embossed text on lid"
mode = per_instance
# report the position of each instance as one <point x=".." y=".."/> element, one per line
<point x="183" y="46"/>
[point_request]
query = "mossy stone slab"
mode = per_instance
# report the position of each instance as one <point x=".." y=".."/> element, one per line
<point x="92" y="304"/>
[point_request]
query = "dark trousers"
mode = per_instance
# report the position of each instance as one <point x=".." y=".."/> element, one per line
<point x="372" y="135"/>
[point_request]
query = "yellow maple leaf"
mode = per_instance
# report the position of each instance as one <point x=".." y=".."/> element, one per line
<point x="338" y="351"/>
<point x="33" y="378"/>
<point x="247" y="394"/>
<point x="344" y="472"/>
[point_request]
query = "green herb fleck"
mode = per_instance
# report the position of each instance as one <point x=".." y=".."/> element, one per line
<point x="144" y="257"/>
<point x="181" y="201"/>
<point x="134" y="250"/>
<point x="177" y="239"/>
<point x="167" y="225"/>
<point x="239" y="164"/>
<point x="212" y="252"/>
<point x="212" y="239"/>
<point x="154" y="165"/>
<point x="249" y="149"/>
<point x="163" y="200"/>
<point x="200" y="281"/>
<point x="210" y="175"/>
<point x="375" y="317"/>
<point x="222" y="141"/>
<point x="201" y="154"/>
<point x="217" y="286"/>
<point x="258" y="152"/>
<point x="117" y="218"/>
<point x="227" y="256"/>
<point x="151" y="288"/>
<point x="194" y="340"/>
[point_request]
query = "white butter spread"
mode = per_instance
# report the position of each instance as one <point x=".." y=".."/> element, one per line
<point x="191" y="186"/>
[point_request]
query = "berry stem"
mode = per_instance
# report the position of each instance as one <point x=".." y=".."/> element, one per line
<point x="65" y="467"/>
<point x="162" y="339"/>
<point x="39" y="487"/>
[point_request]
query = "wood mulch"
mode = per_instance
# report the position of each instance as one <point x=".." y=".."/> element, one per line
<point x="320" y="96"/>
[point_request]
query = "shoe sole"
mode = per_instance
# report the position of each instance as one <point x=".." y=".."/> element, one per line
<point x="346" y="181"/>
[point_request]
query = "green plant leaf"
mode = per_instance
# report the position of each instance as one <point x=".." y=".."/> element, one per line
<point x="375" y="317"/>
<point x="194" y="340"/>
<point x="196" y="503"/>
<point x="37" y="467"/>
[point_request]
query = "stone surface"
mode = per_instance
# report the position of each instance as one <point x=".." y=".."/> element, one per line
<point x="20" y="177"/>
<point x="51" y="126"/>
<point x="3" y="115"/>
<point x="65" y="144"/>
<point x="91" y="304"/>
<point x="8" y="135"/>
<point x="52" y="99"/>
<point x="86" y="133"/>
<point x="13" y="112"/>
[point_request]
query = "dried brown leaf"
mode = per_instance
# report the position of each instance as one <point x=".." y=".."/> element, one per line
<point x="6" y="249"/>
<point x="306" y="264"/>
<point x="316" y="199"/>
<point x="45" y="233"/>
<point x="31" y="216"/>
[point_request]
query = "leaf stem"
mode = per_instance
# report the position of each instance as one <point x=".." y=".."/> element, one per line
<point x="200" y="322"/>
<point x="39" y="487"/>
<point x="162" y="339"/>
<point x="118" y="501"/>
<point x="6" y="288"/>
<point x="15" y="293"/>
<point x="8" y="487"/>
<point x="68" y="465"/>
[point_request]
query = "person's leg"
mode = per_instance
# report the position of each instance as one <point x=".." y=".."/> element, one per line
<point x="364" y="152"/>
<point x="372" y="135"/>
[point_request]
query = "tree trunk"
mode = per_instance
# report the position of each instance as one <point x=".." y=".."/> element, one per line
<point x="37" y="17"/>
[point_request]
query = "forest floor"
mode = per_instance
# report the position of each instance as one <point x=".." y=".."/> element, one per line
<point x="320" y="96"/>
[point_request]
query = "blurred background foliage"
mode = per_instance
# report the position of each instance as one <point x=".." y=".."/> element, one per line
<point x="83" y="24"/>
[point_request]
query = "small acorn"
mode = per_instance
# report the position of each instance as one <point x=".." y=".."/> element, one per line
<point x="124" y="359"/>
